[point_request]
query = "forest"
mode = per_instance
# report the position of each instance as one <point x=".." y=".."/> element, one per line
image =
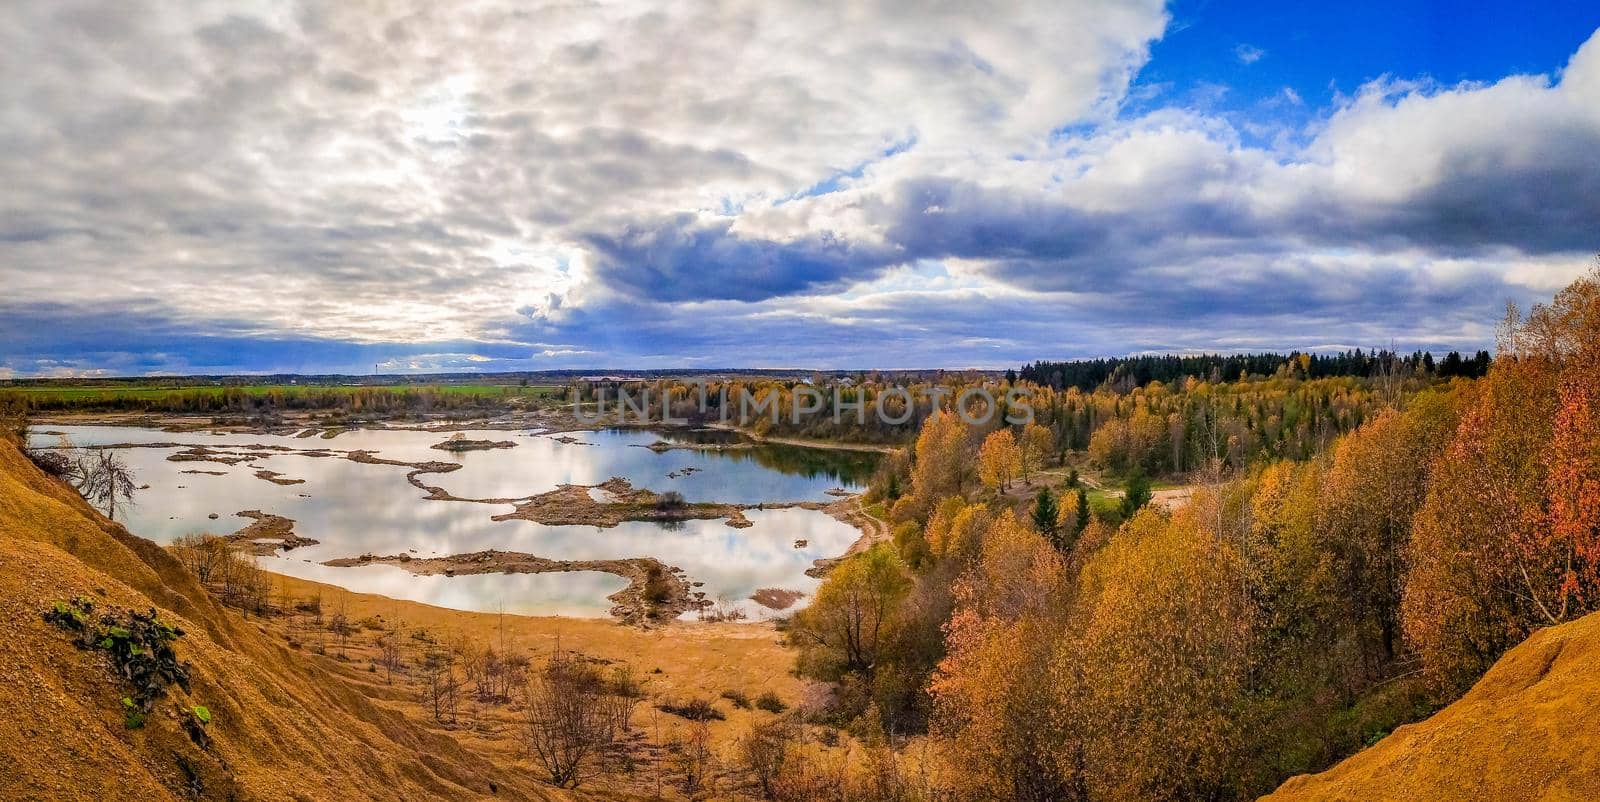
<point x="1356" y="553"/>
<point x="1087" y="374"/>
<point x="1156" y="427"/>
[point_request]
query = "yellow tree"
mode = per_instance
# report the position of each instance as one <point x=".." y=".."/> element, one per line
<point x="995" y="706"/>
<point x="850" y="618"/>
<point x="1376" y="482"/>
<point x="942" y="465"/>
<point x="1158" y="673"/>
<point x="1572" y="462"/>
<point x="1109" y="445"/>
<point x="956" y="528"/>
<point x="1067" y="514"/>
<point x="1034" y="447"/>
<point x="1473" y="589"/>
<point x="999" y="460"/>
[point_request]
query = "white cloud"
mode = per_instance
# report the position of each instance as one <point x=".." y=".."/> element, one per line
<point x="372" y="171"/>
<point x="484" y="178"/>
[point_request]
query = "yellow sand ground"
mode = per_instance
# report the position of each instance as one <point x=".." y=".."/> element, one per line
<point x="1529" y="730"/>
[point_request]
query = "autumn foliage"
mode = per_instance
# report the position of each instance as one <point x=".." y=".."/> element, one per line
<point x="1352" y="556"/>
<point x="1508" y="538"/>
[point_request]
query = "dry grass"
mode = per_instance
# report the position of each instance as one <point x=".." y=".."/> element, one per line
<point x="681" y="661"/>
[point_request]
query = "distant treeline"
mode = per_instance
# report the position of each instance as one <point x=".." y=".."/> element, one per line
<point x="257" y="400"/>
<point x="1128" y="372"/>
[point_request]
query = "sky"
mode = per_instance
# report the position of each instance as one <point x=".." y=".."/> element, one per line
<point x="421" y="185"/>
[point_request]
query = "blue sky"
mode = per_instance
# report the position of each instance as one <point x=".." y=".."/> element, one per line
<point x="1321" y="50"/>
<point x="238" y="186"/>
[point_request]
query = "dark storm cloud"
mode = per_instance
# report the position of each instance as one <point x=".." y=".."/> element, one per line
<point x="684" y="259"/>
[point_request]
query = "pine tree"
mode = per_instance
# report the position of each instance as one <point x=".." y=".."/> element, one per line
<point x="1136" y="496"/>
<point x="1044" y="513"/>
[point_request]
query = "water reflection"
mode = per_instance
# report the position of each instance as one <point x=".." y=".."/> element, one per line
<point x="573" y="593"/>
<point x="542" y="462"/>
<point x="355" y="508"/>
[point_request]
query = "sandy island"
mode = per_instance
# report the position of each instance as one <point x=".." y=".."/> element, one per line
<point x="655" y="592"/>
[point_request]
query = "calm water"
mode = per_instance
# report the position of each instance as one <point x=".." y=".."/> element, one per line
<point x="355" y="509"/>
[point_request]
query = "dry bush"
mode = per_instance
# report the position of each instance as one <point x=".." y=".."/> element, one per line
<point x="770" y="702"/>
<point x="808" y="778"/>
<point x="765" y="749"/>
<point x="691" y="759"/>
<point x="389" y="655"/>
<point x="692" y="709"/>
<point x="342" y="629"/>
<point x="226" y="571"/>
<point x="568" y="721"/>
<point x="440" y="682"/>
<point x="624" y="691"/>
<point x="878" y="774"/>
<point x="492" y="674"/>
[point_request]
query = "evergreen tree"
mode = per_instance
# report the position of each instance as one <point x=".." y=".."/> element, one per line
<point x="1083" y="508"/>
<point x="1136" y="496"/>
<point x="1044" y="513"/>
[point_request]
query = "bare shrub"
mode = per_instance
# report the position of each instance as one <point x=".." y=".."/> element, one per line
<point x="440" y="683"/>
<point x="722" y="610"/>
<point x="342" y="629"/>
<point x="226" y="570"/>
<point x="765" y="749"/>
<point x="202" y="554"/>
<point x="567" y="718"/>
<point x="623" y="692"/>
<point x="389" y="655"/>
<point x="691" y="759"/>
<point x="492" y="673"/>
<point x="55" y="463"/>
<point x="105" y="481"/>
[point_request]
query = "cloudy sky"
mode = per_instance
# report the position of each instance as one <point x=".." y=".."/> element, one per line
<point x="413" y="185"/>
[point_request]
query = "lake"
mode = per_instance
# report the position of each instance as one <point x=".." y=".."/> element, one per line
<point x="357" y="508"/>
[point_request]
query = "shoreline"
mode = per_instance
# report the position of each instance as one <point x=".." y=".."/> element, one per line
<point x="561" y="421"/>
<point x="808" y="442"/>
<point x="565" y="505"/>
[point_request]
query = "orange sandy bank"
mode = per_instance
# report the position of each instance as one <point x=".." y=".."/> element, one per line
<point x="1530" y="729"/>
